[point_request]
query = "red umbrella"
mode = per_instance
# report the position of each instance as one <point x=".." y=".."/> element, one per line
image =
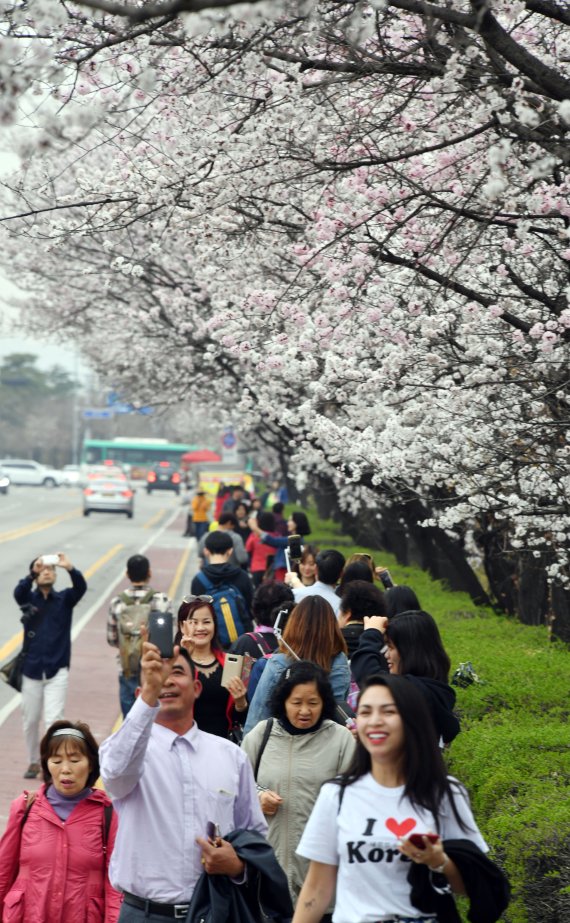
<point x="201" y="455"/>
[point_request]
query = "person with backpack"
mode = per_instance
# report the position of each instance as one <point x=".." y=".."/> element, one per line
<point x="56" y="850"/>
<point x="127" y="612"/>
<point x="228" y="585"/>
<point x="218" y="710"/>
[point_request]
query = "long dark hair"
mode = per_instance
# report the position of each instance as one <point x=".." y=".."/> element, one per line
<point x="401" y="598"/>
<point x="426" y="781"/>
<point x="416" y="637"/>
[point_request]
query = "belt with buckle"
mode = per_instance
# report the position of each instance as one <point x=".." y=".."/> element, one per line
<point x="174" y="911"/>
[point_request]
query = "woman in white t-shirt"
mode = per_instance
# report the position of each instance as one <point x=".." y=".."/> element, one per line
<point x="359" y="837"/>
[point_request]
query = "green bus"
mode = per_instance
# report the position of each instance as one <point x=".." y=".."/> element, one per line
<point x="139" y="454"/>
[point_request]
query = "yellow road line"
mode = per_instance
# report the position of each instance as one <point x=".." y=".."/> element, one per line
<point x="38" y="526"/>
<point x="103" y="560"/>
<point x="154" y="519"/>
<point x="10" y="646"/>
<point x="178" y="575"/>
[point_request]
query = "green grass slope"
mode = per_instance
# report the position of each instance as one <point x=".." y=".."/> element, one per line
<point x="513" y="753"/>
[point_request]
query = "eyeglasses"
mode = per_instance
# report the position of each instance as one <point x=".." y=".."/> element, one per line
<point x="203" y="599"/>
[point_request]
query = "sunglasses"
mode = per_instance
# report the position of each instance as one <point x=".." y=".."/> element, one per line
<point x="203" y="599"/>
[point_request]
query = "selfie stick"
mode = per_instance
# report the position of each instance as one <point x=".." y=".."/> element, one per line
<point x="278" y="633"/>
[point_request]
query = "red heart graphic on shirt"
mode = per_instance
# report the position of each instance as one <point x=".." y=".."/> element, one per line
<point x="400" y="829"/>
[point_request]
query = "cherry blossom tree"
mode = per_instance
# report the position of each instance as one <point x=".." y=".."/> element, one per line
<point x="346" y="223"/>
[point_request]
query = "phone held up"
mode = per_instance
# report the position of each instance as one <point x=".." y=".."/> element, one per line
<point x="233" y="666"/>
<point x="295" y="547"/>
<point x="49" y="560"/>
<point x="160" y="632"/>
<point x="386" y="578"/>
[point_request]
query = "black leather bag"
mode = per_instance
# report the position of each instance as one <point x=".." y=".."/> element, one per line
<point x="11" y="672"/>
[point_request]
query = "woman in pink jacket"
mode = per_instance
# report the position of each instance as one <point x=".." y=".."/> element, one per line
<point x="55" y="852"/>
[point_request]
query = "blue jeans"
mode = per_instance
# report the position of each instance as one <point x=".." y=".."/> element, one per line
<point x="200" y="529"/>
<point x="127" y="692"/>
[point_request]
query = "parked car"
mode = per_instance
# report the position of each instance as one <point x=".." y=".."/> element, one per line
<point x="163" y="476"/>
<point x="28" y="471"/>
<point x="72" y="475"/>
<point x="4" y="482"/>
<point x="108" y="495"/>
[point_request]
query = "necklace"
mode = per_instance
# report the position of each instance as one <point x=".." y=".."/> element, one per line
<point x="206" y="668"/>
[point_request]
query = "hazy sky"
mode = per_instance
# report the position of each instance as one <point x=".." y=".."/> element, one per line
<point x="49" y="352"/>
<point x="11" y="340"/>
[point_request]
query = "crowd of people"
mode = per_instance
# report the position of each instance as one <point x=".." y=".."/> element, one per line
<point x="284" y="762"/>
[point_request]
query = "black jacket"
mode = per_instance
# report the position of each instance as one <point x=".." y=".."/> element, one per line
<point x="486" y="885"/>
<point x="368" y="659"/>
<point x="226" y="573"/>
<point x="217" y="899"/>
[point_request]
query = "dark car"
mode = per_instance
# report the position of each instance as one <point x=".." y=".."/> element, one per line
<point x="163" y="476"/>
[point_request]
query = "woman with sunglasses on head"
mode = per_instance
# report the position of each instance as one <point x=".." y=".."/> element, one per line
<point x="358" y="838"/>
<point x="217" y="709"/>
<point x="55" y="853"/>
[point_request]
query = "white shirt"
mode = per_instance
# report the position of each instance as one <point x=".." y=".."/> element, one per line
<point x="361" y="839"/>
<point x="319" y="589"/>
<point x="165" y="788"/>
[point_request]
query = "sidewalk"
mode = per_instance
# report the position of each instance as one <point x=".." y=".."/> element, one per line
<point x="93" y="694"/>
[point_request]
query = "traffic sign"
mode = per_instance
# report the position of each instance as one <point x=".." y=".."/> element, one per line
<point x="97" y="413"/>
<point x="229" y="439"/>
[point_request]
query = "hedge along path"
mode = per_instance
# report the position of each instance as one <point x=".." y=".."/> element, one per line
<point x="513" y="752"/>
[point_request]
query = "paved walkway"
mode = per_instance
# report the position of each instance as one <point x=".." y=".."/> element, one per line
<point x="93" y="694"/>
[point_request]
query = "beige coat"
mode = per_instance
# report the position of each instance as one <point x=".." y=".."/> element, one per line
<point x="295" y="766"/>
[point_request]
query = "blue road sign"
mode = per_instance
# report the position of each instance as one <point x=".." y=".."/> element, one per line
<point x="97" y="413"/>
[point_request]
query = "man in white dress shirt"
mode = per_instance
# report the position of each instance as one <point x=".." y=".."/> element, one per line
<point x="168" y="781"/>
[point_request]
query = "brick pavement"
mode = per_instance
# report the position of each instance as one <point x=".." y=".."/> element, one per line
<point x="93" y="694"/>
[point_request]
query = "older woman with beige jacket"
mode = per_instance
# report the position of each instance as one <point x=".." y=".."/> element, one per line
<point x="292" y="754"/>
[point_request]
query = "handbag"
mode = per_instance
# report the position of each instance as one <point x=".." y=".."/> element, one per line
<point x="11" y="672"/>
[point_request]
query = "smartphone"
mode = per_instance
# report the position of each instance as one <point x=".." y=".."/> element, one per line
<point x="50" y="559"/>
<point x="233" y="666"/>
<point x="213" y="833"/>
<point x="386" y="579"/>
<point x="295" y="547"/>
<point x="160" y="632"/>
<point x="417" y="839"/>
<point x="278" y="620"/>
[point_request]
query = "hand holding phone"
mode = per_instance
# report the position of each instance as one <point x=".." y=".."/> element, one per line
<point x="233" y="666"/>
<point x="49" y="560"/>
<point x="160" y="632"/>
<point x="214" y="834"/>
<point x="417" y="839"/>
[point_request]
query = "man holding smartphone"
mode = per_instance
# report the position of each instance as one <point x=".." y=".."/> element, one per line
<point x="48" y="646"/>
<point x="172" y="785"/>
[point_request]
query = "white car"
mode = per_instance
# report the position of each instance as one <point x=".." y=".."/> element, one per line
<point x="4" y="482"/>
<point x="27" y="471"/>
<point x="108" y="495"/>
<point x="71" y="475"/>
